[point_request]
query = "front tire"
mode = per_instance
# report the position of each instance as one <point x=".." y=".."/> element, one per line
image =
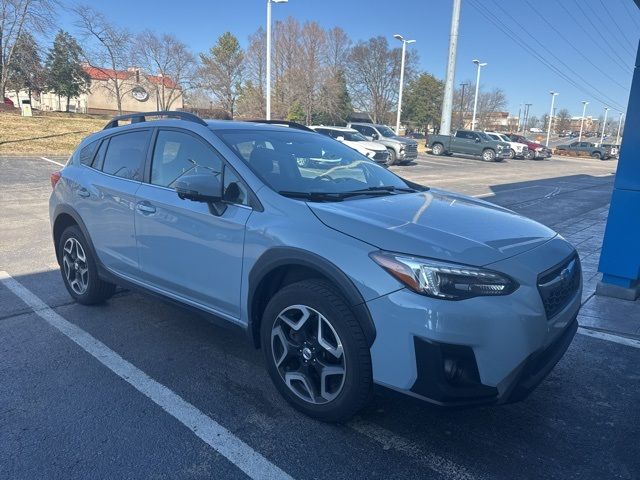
<point x="315" y="351"/>
<point x="488" y="155"/>
<point x="597" y="155"/>
<point x="393" y="157"/>
<point x="530" y="155"/>
<point x="512" y="154"/>
<point x="79" y="269"/>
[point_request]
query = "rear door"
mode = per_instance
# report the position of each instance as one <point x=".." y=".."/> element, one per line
<point x="106" y="203"/>
<point x="187" y="251"/>
<point x="463" y="142"/>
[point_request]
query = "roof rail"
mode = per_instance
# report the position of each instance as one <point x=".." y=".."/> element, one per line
<point x="141" y="117"/>
<point x="284" y="123"/>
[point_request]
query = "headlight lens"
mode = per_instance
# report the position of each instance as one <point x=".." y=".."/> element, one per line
<point x="442" y="280"/>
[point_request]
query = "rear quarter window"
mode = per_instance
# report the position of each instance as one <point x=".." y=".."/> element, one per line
<point x="87" y="153"/>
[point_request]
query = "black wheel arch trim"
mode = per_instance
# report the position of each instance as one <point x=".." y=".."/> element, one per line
<point x="284" y="256"/>
<point x="67" y="210"/>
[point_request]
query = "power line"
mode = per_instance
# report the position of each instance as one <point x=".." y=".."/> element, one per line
<point x="619" y="60"/>
<point x="561" y="35"/>
<point x="631" y="15"/>
<point x="597" y="29"/>
<point x="620" y="30"/>
<point x="511" y="34"/>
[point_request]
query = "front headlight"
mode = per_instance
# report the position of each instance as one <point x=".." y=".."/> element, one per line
<point x="539" y="149"/>
<point x="443" y="280"/>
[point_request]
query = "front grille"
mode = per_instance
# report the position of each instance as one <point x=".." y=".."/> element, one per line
<point x="411" y="149"/>
<point x="558" y="285"/>
<point x="381" y="155"/>
<point x="525" y="149"/>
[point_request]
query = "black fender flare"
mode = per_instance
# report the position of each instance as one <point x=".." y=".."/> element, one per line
<point x="67" y="210"/>
<point x="284" y="256"/>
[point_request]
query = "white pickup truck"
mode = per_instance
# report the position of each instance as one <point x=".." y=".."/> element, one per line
<point x="517" y="149"/>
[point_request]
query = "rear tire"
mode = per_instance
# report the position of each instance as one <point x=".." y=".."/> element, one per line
<point x="437" y="149"/>
<point x="597" y="155"/>
<point x="79" y="269"/>
<point x="307" y="330"/>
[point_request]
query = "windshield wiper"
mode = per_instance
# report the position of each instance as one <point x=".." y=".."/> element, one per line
<point x="331" y="196"/>
<point x="385" y="188"/>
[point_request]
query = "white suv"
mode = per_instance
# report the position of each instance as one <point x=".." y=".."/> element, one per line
<point x="354" y="139"/>
<point x="518" y="150"/>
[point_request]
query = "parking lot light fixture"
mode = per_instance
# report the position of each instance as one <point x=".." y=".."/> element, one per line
<point x="584" y="110"/>
<point x="553" y="98"/>
<point x="604" y="124"/>
<point x="404" y="50"/>
<point x="268" y="92"/>
<point x="475" y="100"/>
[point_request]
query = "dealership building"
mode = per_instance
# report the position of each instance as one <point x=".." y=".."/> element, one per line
<point x="140" y="92"/>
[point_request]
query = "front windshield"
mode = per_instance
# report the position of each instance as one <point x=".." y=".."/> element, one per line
<point x="294" y="161"/>
<point x="385" y="131"/>
<point x="353" y="136"/>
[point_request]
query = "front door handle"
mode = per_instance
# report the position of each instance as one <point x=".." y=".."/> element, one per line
<point x="146" y="208"/>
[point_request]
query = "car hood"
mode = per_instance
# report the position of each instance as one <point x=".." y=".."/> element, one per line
<point x="376" y="147"/>
<point x="435" y="224"/>
<point x="403" y="140"/>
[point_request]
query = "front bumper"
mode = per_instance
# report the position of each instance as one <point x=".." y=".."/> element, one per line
<point x="409" y="152"/>
<point x="476" y="351"/>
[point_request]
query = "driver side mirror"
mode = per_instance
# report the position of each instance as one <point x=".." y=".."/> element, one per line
<point x="477" y="139"/>
<point x="340" y="138"/>
<point x="374" y="136"/>
<point x="202" y="187"/>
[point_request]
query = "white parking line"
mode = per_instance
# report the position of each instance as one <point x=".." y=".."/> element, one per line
<point x="388" y="440"/>
<point x="51" y="161"/>
<point x="219" y="438"/>
<point x="610" y="337"/>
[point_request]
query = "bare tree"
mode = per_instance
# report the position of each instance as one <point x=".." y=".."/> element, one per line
<point x="251" y="102"/>
<point x="286" y="66"/>
<point x="374" y="71"/>
<point x="169" y="64"/>
<point x="337" y="48"/>
<point x="109" y="50"/>
<point x="309" y="68"/>
<point x="18" y="17"/>
<point x="222" y="71"/>
<point x="489" y="104"/>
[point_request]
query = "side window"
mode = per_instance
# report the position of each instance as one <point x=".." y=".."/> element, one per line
<point x="461" y="134"/>
<point x="125" y="155"/>
<point x="234" y="190"/>
<point x="323" y="131"/>
<point x="88" y="153"/>
<point x="359" y="128"/>
<point x="177" y="153"/>
<point x="368" y="131"/>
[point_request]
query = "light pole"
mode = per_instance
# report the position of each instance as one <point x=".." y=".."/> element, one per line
<point x="269" y="2"/>
<point x="447" y="97"/>
<point x="604" y="124"/>
<point x="619" y="127"/>
<point x="404" y="51"/>
<point x="461" y="124"/>
<point x="475" y="100"/>
<point x="553" y="99"/>
<point x="584" y="110"/>
<point x="526" y="117"/>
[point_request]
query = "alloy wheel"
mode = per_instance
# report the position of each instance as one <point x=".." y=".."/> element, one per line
<point x="74" y="263"/>
<point x="308" y="354"/>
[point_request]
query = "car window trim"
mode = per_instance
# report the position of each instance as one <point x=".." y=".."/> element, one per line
<point x="252" y="198"/>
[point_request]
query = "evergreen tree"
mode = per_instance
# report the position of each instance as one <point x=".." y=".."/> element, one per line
<point x="335" y="102"/>
<point x="65" y="75"/>
<point x="27" y="72"/>
<point x="423" y="101"/>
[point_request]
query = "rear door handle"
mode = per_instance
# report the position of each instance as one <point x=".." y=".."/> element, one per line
<point x="146" y="208"/>
<point x="83" y="192"/>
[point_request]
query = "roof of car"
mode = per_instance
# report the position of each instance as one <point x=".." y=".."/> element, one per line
<point x="241" y="125"/>
<point x="341" y="129"/>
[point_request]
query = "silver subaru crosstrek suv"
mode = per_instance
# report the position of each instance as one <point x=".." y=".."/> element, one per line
<point x="344" y="274"/>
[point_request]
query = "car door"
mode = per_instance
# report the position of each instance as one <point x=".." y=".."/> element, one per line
<point x="106" y="203"/>
<point x="463" y="142"/>
<point x="186" y="250"/>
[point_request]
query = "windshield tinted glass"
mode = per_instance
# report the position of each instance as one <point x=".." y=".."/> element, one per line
<point x="386" y="131"/>
<point x="301" y="162"/>
<point x="353" y="136"/>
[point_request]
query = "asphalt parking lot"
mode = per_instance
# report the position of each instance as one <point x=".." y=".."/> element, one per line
<point x="137" y="388"/>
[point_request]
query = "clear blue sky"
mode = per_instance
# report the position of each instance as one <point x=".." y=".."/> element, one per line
<point x="198" y="23"/>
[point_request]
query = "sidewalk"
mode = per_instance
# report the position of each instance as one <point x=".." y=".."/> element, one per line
<point x="606" y="314"/>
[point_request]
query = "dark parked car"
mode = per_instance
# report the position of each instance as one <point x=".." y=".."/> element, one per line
<point x="468" y="142"/>
<point x="602" y="152"/>
<point x="536" y="150"/>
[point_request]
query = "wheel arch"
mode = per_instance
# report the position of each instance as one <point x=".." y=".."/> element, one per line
<point x="282" y="266"/>
<point x="64" y="217"/>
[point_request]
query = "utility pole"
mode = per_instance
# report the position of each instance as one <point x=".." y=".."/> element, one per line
<point x="461" y="124"/>
<point x="404" y="52"/>
<point x="526" y="117"/>
<point x="269" y="2"/>
<point x="619" y="127"/>
<point x="447" y="100"/>
<point x="604" y="124"/>
<point x="475" y="100"/>
<point x="553" y="99"/>
<point x="519" y="113"/>
<point x="584" y="110"/>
